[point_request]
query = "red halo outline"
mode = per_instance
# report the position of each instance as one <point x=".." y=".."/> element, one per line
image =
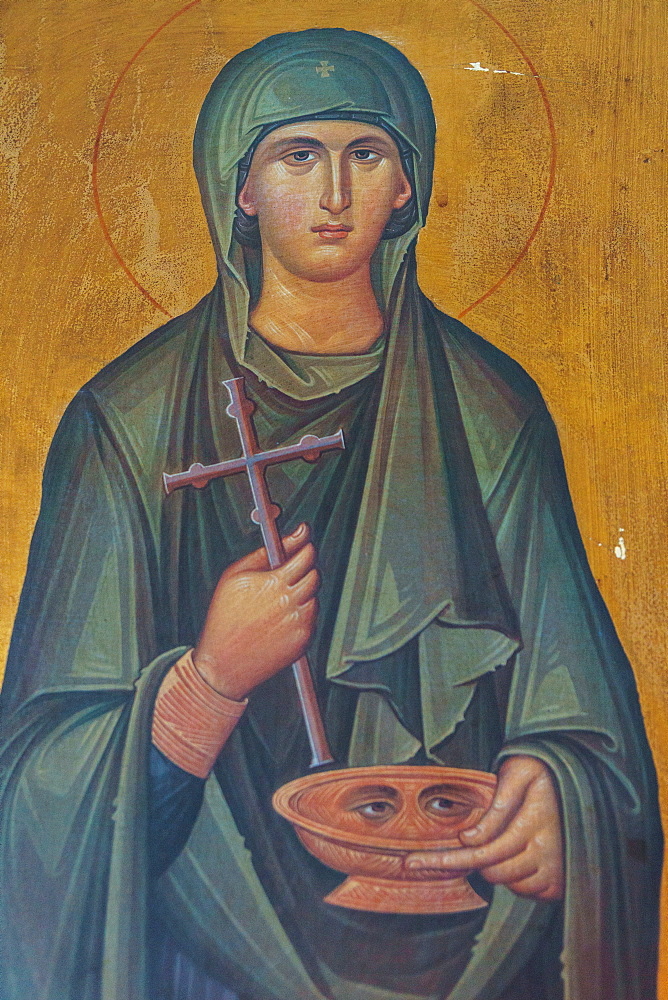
<point x="193" y="3"/>
<point x="552" y="169"/>
<point x="96" y="153"/>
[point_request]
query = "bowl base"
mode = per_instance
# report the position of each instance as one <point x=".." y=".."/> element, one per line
<point x="380" y="895"/>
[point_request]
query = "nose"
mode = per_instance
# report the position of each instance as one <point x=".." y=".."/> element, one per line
<point x="336" y="195"/>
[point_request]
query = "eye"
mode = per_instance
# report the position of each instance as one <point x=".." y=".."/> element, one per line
<point x="366" y="155"/>
<point x="299" y="157"/>
<point x="378" y="810"/>
<point x="440" y="806"/>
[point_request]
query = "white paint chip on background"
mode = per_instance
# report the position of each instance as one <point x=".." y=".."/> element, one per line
<point x="477" y="67"/>
<point x="620" y="547"/>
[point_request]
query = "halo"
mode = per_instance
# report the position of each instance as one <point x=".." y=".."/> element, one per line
<point x="194" y="3"/>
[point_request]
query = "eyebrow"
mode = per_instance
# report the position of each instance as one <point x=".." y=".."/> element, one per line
<point x="370" y="140"/>
<point x="298" y="140"/>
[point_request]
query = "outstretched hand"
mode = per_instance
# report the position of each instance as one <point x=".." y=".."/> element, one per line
<point x="518" y="842"/>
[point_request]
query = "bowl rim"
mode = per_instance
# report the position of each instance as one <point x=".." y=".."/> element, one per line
<point x="282" y="804"/>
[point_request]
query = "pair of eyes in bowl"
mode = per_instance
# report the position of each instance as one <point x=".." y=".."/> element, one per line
<point x="438" y="806"/>
<point x="382" y="809"/>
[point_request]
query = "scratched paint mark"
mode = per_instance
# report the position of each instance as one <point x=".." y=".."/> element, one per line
<point x="620" y="547"/>
<point x="19" y="102"/>
<point x="477" y="67"/>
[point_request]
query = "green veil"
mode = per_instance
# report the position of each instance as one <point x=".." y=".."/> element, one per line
<point x="464" y="579"/>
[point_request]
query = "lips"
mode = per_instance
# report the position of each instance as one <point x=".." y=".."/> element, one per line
<point x="332" y="231"/>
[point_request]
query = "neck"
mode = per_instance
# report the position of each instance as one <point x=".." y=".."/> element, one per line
<point x="317" y="317"/>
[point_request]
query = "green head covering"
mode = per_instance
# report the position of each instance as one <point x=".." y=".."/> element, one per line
<point x="323" y="72"/>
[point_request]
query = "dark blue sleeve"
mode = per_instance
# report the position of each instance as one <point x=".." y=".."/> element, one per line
<point x="174" y="801"/>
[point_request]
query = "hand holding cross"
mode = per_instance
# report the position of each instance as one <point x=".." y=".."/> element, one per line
<point x="254" y="463"/>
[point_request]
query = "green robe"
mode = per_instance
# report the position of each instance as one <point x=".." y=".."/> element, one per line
<point x="459" y="623"/>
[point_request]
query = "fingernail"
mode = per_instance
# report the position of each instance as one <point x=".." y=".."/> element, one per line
<point x="470" y="833"/>
<point x="299" y="531"/>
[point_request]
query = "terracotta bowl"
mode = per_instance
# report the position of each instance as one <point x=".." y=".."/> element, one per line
<point x="367" y="821"/>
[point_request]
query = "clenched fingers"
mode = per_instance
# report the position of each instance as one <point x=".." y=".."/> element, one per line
<point x="298" y="565"/>
<point x="306" y="588"/>
<point x="304" y="614"/>
<point x="302" y="618"/>
<point x="257" y="561"/>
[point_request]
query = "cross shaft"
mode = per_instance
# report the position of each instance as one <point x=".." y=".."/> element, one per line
<point x="254" y="462"/>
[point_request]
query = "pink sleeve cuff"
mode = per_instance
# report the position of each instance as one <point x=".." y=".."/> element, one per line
<point x="191" y="721"/>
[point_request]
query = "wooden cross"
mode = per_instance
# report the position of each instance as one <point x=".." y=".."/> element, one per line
<point x="254" y="463"/>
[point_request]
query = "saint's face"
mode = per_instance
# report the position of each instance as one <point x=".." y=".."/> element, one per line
<point x="323" y="192"/>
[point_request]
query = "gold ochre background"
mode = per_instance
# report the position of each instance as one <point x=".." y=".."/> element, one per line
<point x="584" y="312"/>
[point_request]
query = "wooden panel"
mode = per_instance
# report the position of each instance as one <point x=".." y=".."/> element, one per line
<point x="584" y="311"/>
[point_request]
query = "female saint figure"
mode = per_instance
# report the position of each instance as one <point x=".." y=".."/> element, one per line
<point x="435" y="573"/>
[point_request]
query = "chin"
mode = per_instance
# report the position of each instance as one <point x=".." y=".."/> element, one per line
<point x="329" y="263"/>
